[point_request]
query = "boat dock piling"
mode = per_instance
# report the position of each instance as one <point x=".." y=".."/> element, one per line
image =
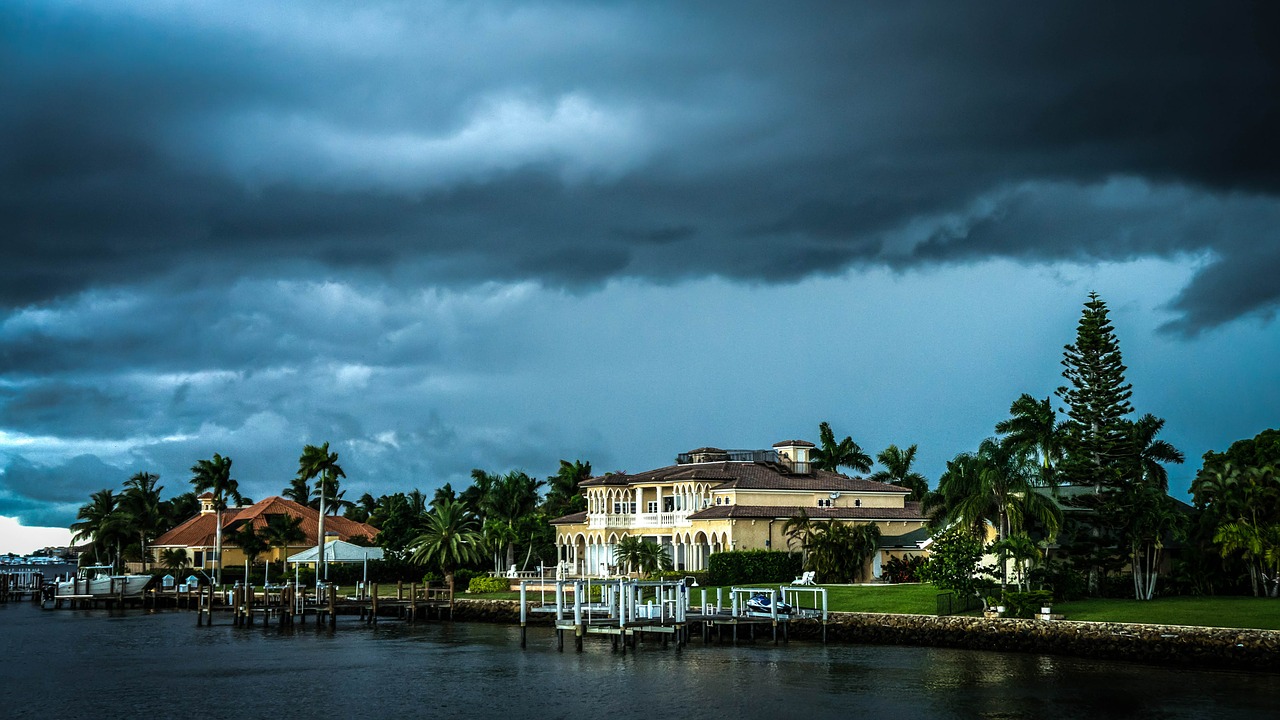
<point x="21" y="584"/>
<point x="626" y="609"/>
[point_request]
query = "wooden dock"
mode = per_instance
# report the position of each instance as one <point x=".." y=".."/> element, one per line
<point x="20" y="584"/>
<point x="285" y="605"/>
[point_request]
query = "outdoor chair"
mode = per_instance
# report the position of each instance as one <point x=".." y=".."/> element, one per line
<point x="806" y="578"/>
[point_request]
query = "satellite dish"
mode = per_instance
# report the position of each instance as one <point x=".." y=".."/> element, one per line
<point x="835" y="495"/>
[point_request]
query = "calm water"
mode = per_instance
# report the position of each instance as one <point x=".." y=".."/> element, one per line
<point x="92" y="664"/>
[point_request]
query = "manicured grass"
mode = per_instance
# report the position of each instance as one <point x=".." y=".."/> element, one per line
<point x="910" y="599"/>
<point x="1233" y="612"/>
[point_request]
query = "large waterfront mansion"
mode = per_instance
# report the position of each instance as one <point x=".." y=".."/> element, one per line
<point x="713" y="500"/>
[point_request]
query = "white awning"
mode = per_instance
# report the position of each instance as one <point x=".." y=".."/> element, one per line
<point x="339" y="551"/>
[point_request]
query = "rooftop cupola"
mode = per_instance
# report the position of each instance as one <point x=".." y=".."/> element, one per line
<point x="206" y="503"/>
<point x="703" y="455"/>
<point x="794" y="455"/>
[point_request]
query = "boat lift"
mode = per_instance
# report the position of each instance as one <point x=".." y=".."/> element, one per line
<point x="626" y="609"/>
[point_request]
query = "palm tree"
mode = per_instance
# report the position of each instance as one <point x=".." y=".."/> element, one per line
<point x="1033" y="429"/>
<point x="101" y="522"/>
<point x="281" y="531"/>
<point x="992" y="485"/>
<point x="640" y="555"/>
<point x="832" y="455"/>
<point x="174" y="558"/>
<point x="449" y="541"/>
<point x="178" y="508"/>
<point x="301" y="492"/>
<point x="510" y="499"/>
<point x="840" y="552"/>
<point x="214" y="476"/>
<point x="251" y="544"/>
<point x="443" y="493"/>
<point x="319" y="462"/>
<point x="140" y="504"/>
<point x="1149" y="454"/>
<point x="800" y="530"/>
<point x="897" y="463"/>
<point x="563" y="495"/>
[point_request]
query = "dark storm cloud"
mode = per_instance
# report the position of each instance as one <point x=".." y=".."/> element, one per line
<point x="574" y="143"/>
<point x="57" y="483"/>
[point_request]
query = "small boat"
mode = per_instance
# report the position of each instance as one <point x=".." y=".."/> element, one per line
<point x="761" y="603"/>
<point x="97" y="581"/>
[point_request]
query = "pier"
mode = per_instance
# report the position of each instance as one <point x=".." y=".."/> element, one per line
<point x="625" y="610"/>
<point x="285" y="605"/>
<point x="17" y="584"/>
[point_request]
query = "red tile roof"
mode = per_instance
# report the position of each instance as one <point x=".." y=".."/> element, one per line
<point x="749" y="476"/>
<point x="200" y="529"/>
<point x="571" y="519"/>
<point x="779" y="512"/>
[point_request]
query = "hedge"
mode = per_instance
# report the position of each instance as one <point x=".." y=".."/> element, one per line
<point x="753" y="566"/>
<point x="481" y="584"/>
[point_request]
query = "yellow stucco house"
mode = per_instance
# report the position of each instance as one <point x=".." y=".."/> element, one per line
<point x="714" y="500"/>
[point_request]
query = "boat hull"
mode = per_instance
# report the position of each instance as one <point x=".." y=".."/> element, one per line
<point x="105" y="587"/>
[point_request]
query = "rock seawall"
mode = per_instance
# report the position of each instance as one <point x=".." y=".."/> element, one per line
<point x="1165" y="644"/>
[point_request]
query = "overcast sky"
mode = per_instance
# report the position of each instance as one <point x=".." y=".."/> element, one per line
<point x="452" y="235"/>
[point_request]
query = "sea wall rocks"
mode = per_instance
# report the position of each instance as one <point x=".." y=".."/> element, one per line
<point x="1169" y="644"/>
<point x="1166" y="644"/>
<point x="497" y="611"/>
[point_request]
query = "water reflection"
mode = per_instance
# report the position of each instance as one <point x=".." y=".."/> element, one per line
<point x="152" y="663"/>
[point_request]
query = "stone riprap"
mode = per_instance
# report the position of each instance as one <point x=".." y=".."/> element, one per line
<point x="1204" y="646"/>
<point x="1166" y="644"/>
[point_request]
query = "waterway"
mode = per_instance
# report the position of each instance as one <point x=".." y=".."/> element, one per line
<point x="97" y="664"/>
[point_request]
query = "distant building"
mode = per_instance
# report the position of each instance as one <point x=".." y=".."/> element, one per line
<point x="198" y="534"/>
<point x="714" y="500"/>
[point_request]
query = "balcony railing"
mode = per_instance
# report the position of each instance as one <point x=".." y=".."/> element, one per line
<point x="756" y="456"/>
<point x="639" y="520"/>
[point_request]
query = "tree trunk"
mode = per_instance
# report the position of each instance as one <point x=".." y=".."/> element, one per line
<point x="217" y="579"/>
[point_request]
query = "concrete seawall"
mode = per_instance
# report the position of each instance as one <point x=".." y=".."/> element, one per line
<point x="1164" y="644"/>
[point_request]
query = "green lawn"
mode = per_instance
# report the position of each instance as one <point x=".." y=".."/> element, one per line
<point x="1234" y="612"/>
<point x="908" y="599"/>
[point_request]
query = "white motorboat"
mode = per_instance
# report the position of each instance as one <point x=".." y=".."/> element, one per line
<point x="98" y="581"/>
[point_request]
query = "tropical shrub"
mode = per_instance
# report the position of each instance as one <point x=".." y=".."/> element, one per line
<point x="753" y="566"/>
<point x="903" y="569"/>
<point x="1026" y="604"/>
<point x="953" y="562"/>
<point x="483" y="584"/>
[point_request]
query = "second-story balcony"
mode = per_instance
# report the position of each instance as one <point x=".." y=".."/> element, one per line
<point x="639" y="520"/>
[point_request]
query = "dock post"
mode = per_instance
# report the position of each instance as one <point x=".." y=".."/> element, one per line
<point x="524" y="619"/>
<point x="333" y="610"/>
<point x="577" y="616"/>
<point x="413" y="602"/>
<point x="373" y="605"/>
<point x="773" y="609"/>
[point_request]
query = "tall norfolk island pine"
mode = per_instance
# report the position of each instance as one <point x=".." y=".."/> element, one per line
<point x="1097" y="400"/>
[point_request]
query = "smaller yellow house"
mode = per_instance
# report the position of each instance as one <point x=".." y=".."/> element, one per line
<point x="713" y="500"/>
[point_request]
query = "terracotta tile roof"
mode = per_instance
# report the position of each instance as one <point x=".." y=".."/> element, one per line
<point x="749" y="476"/>
<point x="779" y="512"/>
<point x="200" y="529"/>
<point x="571" y="519"/>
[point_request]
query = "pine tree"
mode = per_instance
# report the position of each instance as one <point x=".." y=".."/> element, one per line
<point x="1097" y="400"/>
